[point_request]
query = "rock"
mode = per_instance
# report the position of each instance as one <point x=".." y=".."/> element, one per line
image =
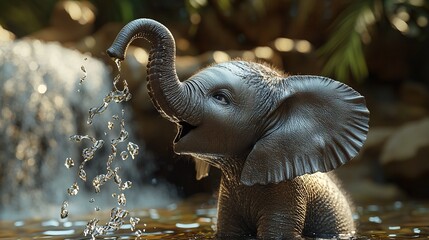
<point x="377" y="137"/>
<point x="405" y="158"/>
<point x="415" y="94"/>
<point x="363" y="178"/>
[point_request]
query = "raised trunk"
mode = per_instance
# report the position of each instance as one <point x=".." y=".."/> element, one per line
<point x="167" y="93"/>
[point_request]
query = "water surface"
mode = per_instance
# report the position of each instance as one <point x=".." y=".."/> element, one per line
<point x="195" y="219"/>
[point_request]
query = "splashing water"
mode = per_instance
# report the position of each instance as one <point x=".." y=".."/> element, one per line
<point x="84" y="73"/>
<point x="122" y="200"/>
<point x="69" y="163"/>
<point x="116" y="95"/>
<point x="39" y="110"/>
<point x="64" y="211"/>
<point x="118" y="215"/>
<point x="110" y="125"/>
<point x="73" y="190"/>
<point x="82" y="174"/>
<point x="124" y="155"/>
<point x="42" y="104"/>
<point x="133" y="149"/>
<point x="84" y="76"/>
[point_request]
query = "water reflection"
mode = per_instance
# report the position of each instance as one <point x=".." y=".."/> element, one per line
<point x="195" y="219"/>
<point x="191" y="219"/>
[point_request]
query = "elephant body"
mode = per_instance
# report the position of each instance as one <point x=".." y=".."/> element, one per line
<point x="311" y="205"/>
<point x="273" y="136"/>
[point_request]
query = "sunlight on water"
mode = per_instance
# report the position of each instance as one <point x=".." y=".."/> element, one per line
<point x="195" y="219"/>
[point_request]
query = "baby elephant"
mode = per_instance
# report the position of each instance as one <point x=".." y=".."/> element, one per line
<point x="272" y="136"/>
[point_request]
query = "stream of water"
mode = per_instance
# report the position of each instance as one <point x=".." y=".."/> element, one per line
<point x="119" y="216"/>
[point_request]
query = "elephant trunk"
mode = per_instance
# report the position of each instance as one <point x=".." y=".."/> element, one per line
<point x="169" y="96"/>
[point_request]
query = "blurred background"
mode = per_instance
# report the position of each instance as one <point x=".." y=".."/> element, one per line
<point x="379" y="47"/>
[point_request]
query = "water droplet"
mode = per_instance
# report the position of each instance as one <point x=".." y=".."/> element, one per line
<point x="64" y="212"/>
<point x="114" y="143"/>
<point x="88" y="153"/>
<point x="117" y="216"/>
<point x="117" y="178"/>
<point x="84" y="76"/>
<point x="110" y="173"/>
<point x="114" y="195"/>
<point x="124" y="155"/>
<point x="115" y="117"/>
<point x="97" y="208"/>
<point x="110" y="125"/>
<point x="139" y="233"/>
<point x="118" y="212"/>
<point x="96" y="110"/>
<point x="73" y="190"/>
<point x="91" y="200"/>
<point x="69" y="163"/>
<point x="123" y="135"/>
<point x="113" y="153"/>
<point x="98" y="144"/>
<point x="118" y="64"/>
<point x="121" y="199"/>
<point x="82" y="174"/>
<point x="98" y="181"/>
<point x="91" y="228"/>
<point x="133" y="149"/>
<point x="126" y="185"/>
<point x="133" y="222"/>
<point x="78" y="138"/>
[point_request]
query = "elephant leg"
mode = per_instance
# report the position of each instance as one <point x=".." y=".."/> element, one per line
<point x="279" y="226"/>
<point x="230" y="225"/>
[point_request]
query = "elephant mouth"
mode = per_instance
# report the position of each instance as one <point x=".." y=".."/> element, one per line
<point x="183" y="129"/>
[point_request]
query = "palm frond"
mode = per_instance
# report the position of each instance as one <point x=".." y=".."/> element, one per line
<point x="344" y="50"/>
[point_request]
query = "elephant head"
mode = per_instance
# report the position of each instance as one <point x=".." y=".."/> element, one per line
<point x="275" y="127"/>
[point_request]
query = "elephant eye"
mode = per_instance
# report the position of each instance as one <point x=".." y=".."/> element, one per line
<point x="221" y="98"/>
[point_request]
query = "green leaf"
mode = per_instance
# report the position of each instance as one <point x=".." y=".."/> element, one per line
<point x="344" y="49"/>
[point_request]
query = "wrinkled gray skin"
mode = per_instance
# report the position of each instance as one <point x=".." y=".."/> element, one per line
<point x="271" y="135"/>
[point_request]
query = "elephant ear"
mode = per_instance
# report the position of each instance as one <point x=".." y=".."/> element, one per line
<point x="318" y="125"/>
<point x="202" y="168"/>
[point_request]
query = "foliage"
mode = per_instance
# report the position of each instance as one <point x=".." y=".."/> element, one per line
<point x="25" y="16"/>
<point x="344" y="50"/>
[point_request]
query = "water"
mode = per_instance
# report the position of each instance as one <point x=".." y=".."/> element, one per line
<point x="118" y="215"/>
<point x="177" y="221"/>
<point x="195" y="219"/>
<point x="46" y="92"/>
<point x="39" y="108"/>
